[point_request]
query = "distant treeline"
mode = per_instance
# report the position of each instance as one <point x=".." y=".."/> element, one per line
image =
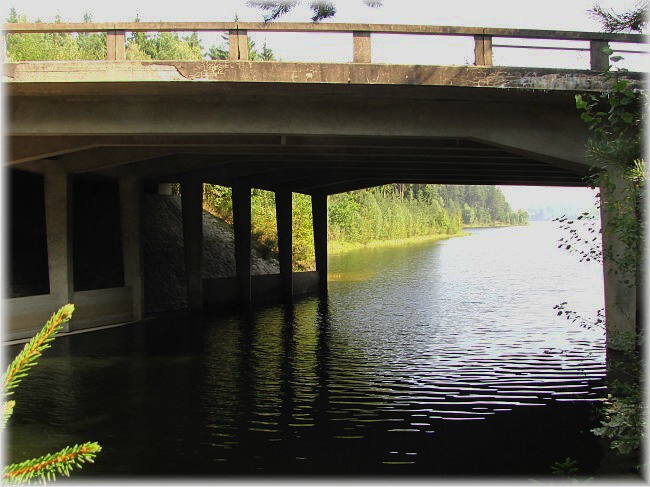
<point x="390" y="212"/>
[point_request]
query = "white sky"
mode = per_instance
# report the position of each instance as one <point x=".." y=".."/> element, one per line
<point x="546" y="14"/>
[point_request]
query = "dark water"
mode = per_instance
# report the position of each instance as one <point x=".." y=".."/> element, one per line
<point x="442" y="358"/>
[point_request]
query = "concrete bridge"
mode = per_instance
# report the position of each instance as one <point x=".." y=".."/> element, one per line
<point x="309" y="127"/>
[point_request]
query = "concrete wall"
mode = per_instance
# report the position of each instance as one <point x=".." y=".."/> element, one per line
<point x="24" y="317"/>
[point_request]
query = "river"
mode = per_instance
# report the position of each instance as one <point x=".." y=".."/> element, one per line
<point x="440" y="358"/>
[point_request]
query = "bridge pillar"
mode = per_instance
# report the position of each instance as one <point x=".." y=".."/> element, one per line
<point x="284" y="217"/>
<point x="620" y="298"/>
<point x="58" y="226"/>
<point x="131" y="215"/>
<point x="241" y="209"/>
<point x="319" y="217"/>
<point x="192" y="209"/>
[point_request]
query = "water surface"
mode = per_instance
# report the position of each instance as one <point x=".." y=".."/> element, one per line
<point x="438" y="358"/>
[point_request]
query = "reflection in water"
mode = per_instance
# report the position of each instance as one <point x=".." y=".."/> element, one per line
<point x="444" y="358"/>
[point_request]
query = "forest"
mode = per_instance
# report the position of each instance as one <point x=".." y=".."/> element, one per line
<point x="384" y="213"/>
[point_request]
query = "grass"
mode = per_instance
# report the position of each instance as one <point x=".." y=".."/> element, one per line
<point x="339" y="247"/>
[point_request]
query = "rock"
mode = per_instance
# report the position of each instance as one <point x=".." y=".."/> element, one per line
<point x="164" y="260"/>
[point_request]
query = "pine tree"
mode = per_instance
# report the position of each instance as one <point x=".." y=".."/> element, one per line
<point x="48" y="466"/>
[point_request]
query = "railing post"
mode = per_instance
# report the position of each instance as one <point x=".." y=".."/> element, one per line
<point x="599" y="60"/>
<point x="115" y="45"/>
<point x="238" y="45"/>
<point x="362" y="47"/>
<point x="3" y="46"/>
<point x="482" y="50"/>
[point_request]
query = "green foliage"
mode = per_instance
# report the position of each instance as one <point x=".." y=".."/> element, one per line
<point x="582" y="236"/>
<point x="390" y="212"/>
<point x="164" y="45"/>
<point x="623" y="422"/>
<point x="567" y="468"/>
<point x="54" y="46"/>
<point x="48" y="466"/>
<point x="139" y="46"/>
<point x="33" y="350"/>
<point x="574" y="317"/>
<point x="616" y="120"/>
<point x="633" y="20"/>
<point x="222" y="52"/>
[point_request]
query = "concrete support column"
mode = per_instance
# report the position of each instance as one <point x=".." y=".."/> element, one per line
<point x="284" y="217"/>
<point x="319" y="216"/>
<point x="132" y="254"/>
<point x="241" y="209"/>
<point x="58" y="226"/>
<point x="192" y="207"/>
<point x="620" y="299"/>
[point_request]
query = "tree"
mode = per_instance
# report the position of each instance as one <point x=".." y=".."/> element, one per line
<point x="222" y="51"/>
<point x="163" y="45"/>
<point x="633" y="20"/>
<point x="48" y="466"/>
<point x="53" y="46"/>
<point x="322" y="9"/>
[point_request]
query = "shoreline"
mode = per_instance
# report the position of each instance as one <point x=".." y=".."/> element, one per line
<point x="341" y="247"/>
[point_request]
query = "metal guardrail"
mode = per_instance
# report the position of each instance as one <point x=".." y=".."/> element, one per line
<point x="362" y="36"/>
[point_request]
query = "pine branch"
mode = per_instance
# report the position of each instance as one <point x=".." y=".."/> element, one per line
<point x="277" y="8"/>
<point x="7" y="408"/>
<point x="26" y="359"/>
<point x="48" y="466"/>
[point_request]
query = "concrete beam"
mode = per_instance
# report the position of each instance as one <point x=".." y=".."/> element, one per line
<point x="522" y="78"/>
<point x="284" y="218"/>
<point x="58" y="224"/>
<point x="192" y="209"/>
<point x="241" y="206"/>
<point x="132" y="244"/>
<point x="24" y="149"/>
<point x="540" y="125"/>
<point x="97" y="159"/>
<point x="319" y="216"/>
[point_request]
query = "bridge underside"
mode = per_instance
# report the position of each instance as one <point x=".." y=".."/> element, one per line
<point x="315" y="138"/>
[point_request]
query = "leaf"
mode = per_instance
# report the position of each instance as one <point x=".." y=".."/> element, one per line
<point x="586" y="117"/>
<point x="580" y="103"/>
